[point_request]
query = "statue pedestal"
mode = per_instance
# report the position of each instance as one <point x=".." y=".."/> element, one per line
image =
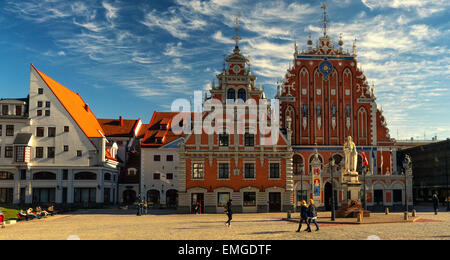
<point x="351" y="189"/>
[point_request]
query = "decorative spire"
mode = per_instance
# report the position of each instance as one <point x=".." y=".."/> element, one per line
<point x="325" y="21"/>
<point x="354" y="48"/>
<point x="237" y="38"/>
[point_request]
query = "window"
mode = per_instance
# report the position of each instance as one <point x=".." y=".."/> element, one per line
<point x="47" y="112"/>
<point x="47" y="104"/>
<point x="157" y="158"/>
<point x="197" y="171"/>
<point x="20" y="154"/>
<point x="44" y="176"/>
<point x="274" y="171"/>
<point x="302" y="195"/>
<point x="39" y="104"/>
<point x="131" y="172"/>
<point x="6" y="176"/>
<point x="298" y="165"/>
<point x="1" y="130"/>
<point x="43" y="195"/>
<point x="249" y="171"/>
<point x="10" y="130"/>
<point x="249" y="140"/>
<point x="39" y="132"/>
<point x="169" y="176"/>
<point x="85" y="176"/>
<point x="224" y="171"/>
<point x="231" y="94"/>
<point x="66" y="129"/>
<point x="8" y="152"/>
<point x="40" y="91"/>
<point x="156" y="176"/>
<point x="107" y="176"/>
<point x="51" y="131"/>
<point x="23" y="175"/>
<point x="66" y="148"/>
<point x="79" y="153"/>
<point x="39" y="113"/>
<point x="224" y="140"/>
<point x="169" y="158"/>
<point x="50" y="152"/>
<point x="222" y="199"/>
<point x="39" y="152"/>
<point x="242" y="95"/>
<point x="249" y="199"/>
<point x="65" y="175"/>
<point x="6" y="195"/>
<point x="85" y="195"/>
<point x="5" y="110"/>
<point x="18" y="110"/>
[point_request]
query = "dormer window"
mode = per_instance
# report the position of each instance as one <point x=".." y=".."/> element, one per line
<point x="131" y="172"/>
<point x="242" y="94"/>
<point x="163" y="127"/>
<point x="158" y="140"/>
<point x="231" y="95"/>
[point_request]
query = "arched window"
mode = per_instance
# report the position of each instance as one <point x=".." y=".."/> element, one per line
<point x="85" y="176"/>
<point x="362" y="123"/>
<point x="242" y="94"/>
<point x="298" y="165"/>
<point x="231" y="94"/>
<point x="44" y="176"/>
<point x="6" y="176"/>
<point x="107" y="176"/>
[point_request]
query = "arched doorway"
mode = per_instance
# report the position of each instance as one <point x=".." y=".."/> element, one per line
<point x="129" y="197"/>
<point x="153" y="197"/>
<point x="328" y="197"/>
<point x="172" y="198"/>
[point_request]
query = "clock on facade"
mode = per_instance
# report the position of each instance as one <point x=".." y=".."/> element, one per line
<point x="236" y="69"/>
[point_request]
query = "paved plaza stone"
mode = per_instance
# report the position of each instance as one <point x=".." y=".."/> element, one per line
<point x="161" y="225"/>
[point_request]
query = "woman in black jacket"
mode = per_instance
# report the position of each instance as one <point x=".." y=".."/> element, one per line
<point x="312" y="215"/>
<point x="303" y="216"/>
<point x="229" y="213"/>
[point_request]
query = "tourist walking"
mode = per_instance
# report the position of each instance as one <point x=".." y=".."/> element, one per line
<point x="312" y="210"/>
<point x="303" y="217"/>
<point x="435" y="203"/>
<point x="229" y="213"/>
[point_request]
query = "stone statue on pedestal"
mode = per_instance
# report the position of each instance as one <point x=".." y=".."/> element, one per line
<point x="351" y="155"/>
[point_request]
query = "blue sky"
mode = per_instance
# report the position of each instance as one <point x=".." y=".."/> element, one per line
<point x="132" y="57"/>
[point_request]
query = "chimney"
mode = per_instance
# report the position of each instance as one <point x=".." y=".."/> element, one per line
<point x="86" y="107"/>
<point x="121" y="121"/>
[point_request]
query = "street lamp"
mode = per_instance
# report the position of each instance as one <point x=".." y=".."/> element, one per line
<point x="406" y="165"/>
<point x="332" y="163"/>
<point x="365" y="170"/>
<point x="301" y="181"/>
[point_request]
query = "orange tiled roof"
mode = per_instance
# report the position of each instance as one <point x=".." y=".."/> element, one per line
<point x="75" y="106"/>
<point x="113" y="128"/>
<point x="142" y="131"/>
<point x="155" y="131"/>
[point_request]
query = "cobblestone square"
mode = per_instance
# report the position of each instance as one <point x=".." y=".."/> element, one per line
<point x="161" y="225"/>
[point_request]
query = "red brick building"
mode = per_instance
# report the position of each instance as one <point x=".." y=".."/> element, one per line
<point x="328" y="98"/>
<point x="217" y="167"/>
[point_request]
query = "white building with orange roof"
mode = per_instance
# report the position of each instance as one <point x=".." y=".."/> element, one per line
<point x="60" y="151"/>
<point x="160" y="161"/>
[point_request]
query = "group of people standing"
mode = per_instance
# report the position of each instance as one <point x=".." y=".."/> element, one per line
<point x="308" y="214"/>
<point x="142" y="208"/>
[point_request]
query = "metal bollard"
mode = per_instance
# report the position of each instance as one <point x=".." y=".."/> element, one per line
<point x="405" y="216"/>
<point x="289" y="214"/>
<point x="360" y="217"/>
<point x="414" y="213"/>
<point x="386" y="211"/>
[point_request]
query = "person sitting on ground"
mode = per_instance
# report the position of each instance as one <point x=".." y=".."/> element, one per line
<point x="51" y="210"/>
<point x="40" y="212"/>
<point x="31" y="214"/>
<point x="2" y="219"/>
<point x="23" y="215"/>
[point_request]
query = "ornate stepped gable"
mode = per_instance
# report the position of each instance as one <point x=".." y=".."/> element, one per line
<point x="329" y="98"/>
